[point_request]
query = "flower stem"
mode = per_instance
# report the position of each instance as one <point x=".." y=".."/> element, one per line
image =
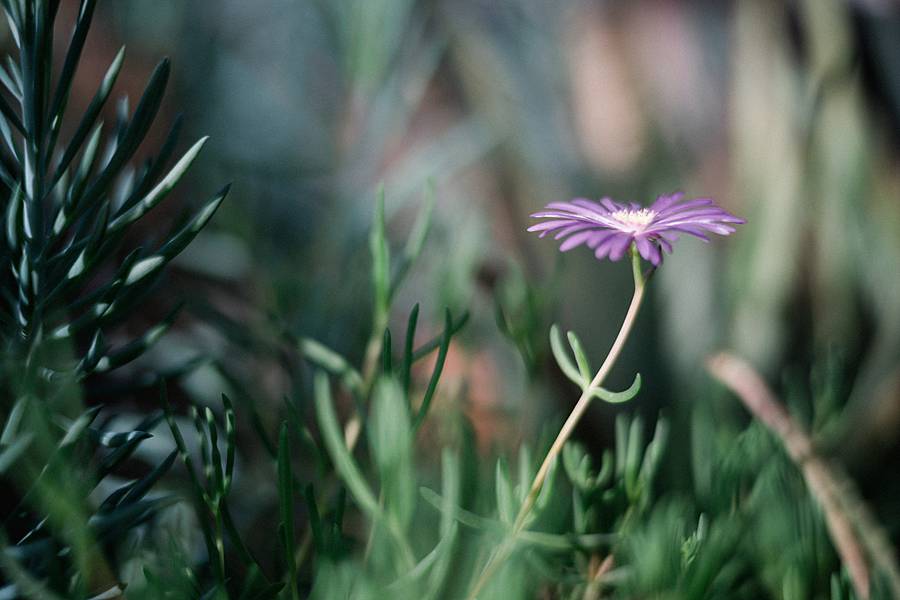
<point x="502" y="553"/>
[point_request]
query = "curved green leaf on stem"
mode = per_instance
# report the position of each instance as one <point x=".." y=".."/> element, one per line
<point x="332" y="362"/>
<point x="619" y="397"/>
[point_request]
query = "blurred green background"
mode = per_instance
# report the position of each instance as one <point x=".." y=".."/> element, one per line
<point x="787" y="113"/>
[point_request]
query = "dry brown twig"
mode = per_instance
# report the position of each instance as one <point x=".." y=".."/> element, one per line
<point x="597" y="569"/>
<point x="854" y="532"/>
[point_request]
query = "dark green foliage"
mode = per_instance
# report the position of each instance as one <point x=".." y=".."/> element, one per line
<point x="68" y="205"/>
<point x="368" y="483"/>
<point x="612" y="528"/>
<point x="707" y="538"/>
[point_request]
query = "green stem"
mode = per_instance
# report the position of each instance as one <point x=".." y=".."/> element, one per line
<point x="499" y="556"/>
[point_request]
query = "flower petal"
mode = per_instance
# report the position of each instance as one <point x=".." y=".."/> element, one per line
<point x="648" y="249"/>
<point x="652" y="230"/>
<point x="575" y="240"/>
<point x="664" y="202"/>
<point x="619" y="247"/>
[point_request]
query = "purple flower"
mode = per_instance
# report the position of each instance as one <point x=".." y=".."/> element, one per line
<point x="609" y="228"/>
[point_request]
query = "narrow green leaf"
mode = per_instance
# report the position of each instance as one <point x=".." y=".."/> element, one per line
<point x="621" y="443"/>
<point x="386" y="350"/>
<point x="337" y="449"/>
<point x="607" y="464"/>
<point x="205" y="454"/>
<point x="416" y="239"/>
<point x="286" y="504"/>
<point x="234" y="535"/>
<point x="10" y="83"/>
<point x="182" y="238"/>
<point x="199" y="493"/>
<point x="79" y="426"/>
<point x="11" y="453"/>
<point x="136" y="490"/>
<point x="506" y="504"/>
<point x="154" y="169"/>
<point x="132" y="136"/>
<point x="390" y="437"/>
<point x="131" y="214"/>
<point x="633" y="456"/>
<point x="215" y="456"/>
<point x="654" y="453"/>
<point x="230" y="441"/>
<point x="450" y="490"/>
<point x="140" y="488"/>
<point x="90" y="115"/>
<point x="9" y="139"/>
<point x="436" y="374"/>
<point x="406" y="372"/>
<point x="381" y="259"/>
<point x="16" y="73"/>
<point x="548" y="491"/>
<point x="13" y="218"/>
<point x="525" y="472"/>
<point x="562" y="358"/>
<point x="11" y="427"/>
<point x="144" y="267"/>
<point x="584" y="365"/>
<point x="10" y="115"/>
<point x="315" y="521"/>
<point x="79" y="181"/>
<point x="109" y="525"/>
<point x="435" y="342"/>
<point x="420" y="229"/>
<point x="64" y="83"/>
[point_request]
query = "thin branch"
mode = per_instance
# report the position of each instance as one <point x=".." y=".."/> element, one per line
<point x="854" y="532"/>
<point x="505" y="549"/>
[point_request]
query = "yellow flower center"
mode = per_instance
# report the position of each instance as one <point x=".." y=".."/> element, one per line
<point x="635" y="220"/>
